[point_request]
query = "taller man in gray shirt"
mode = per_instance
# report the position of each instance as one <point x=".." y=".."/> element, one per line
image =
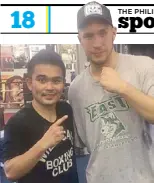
<point x="111" y="101"/>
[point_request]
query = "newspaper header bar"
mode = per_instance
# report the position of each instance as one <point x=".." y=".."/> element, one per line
<point x="53" y="20"/>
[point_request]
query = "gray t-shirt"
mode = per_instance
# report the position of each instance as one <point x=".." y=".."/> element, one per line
<point x="116" y="136"/>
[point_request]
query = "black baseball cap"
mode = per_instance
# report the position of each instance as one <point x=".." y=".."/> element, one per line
<point x="93" y="10"/>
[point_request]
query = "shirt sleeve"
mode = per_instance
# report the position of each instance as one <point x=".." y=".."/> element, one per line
<point x="12" y="143"/>
<point x="148" y="80"/>
<point x="78" y="120"/>
<point x="148" y="87"/>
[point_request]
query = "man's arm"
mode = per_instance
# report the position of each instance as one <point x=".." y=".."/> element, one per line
<point x="143" y="103"/>
<point x="22" y="164"/>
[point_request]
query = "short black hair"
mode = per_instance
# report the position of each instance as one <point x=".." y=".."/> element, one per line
<point x="45" y="56"/>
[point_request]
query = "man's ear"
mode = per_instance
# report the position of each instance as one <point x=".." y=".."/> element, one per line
<point x="79" y="38"/>
<point x="114" y="33"/>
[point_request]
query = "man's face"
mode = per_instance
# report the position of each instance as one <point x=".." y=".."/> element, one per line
<point x="97" y="41"/>
<point x="16" y="92"/>
<point x="46" y="84"/>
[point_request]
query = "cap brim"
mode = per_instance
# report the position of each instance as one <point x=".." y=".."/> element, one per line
<point x="92" y="18"/>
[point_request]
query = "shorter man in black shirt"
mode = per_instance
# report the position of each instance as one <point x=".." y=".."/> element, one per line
<point x="38" y="140"/>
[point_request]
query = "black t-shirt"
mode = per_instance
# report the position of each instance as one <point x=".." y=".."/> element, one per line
<point x="25" y="128"/>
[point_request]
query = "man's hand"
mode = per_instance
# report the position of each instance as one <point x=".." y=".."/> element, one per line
<point x="111" y="81"/>
<point x="54" y="134"/>
<point x="19" y="166"/>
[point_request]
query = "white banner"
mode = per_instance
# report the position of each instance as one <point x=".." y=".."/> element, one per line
<point x="72" y="39"/>
<point x="58" y="24"/>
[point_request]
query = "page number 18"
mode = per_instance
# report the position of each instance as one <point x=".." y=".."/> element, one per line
<point x="27" y="22"/>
